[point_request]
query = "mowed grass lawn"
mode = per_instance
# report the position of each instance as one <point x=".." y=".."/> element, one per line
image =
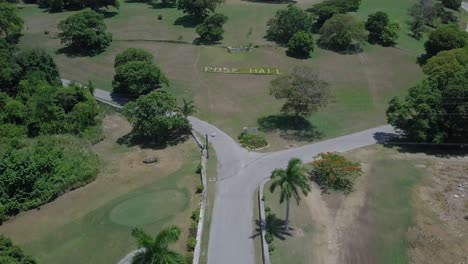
<point x="362" y="84"/>
<point x="382" y="217"/>
<point x="93" y="224"/>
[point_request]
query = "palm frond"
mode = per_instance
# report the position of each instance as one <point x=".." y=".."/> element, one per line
<point x="167" y="236"/>
<point x="143" y="239"/>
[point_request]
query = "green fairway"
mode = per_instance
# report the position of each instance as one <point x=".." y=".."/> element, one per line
<point x="103" y="236"/>
<point x="362" y="84"/>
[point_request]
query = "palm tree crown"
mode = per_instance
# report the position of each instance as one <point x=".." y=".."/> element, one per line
<point x="187" y="108"/>
<point x="292" y="182"/>
<point x="156" y="251"/>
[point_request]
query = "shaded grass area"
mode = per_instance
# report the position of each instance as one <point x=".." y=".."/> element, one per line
<point x="296" y="245"/>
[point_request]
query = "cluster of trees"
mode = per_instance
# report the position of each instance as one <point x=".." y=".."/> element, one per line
<point x="60" y="5"/>
<point x="199" y="9"/>
<point x="11" y="254"/>
<point x="85" y="32"/>
<point x="436" y="110"/>
<point x="136" y="74"/>
<point x="11" y="23"/>
<point x="445" y="37"/>
<point x="429" y="13"/>
<point x="338" y="30"/>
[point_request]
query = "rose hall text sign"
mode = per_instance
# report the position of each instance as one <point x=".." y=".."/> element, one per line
<point x="250" y="70"/>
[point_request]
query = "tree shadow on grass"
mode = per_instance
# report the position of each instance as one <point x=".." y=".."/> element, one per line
<point x="403" y="145"/>
<point x="132" y="139"/>
<point x="73" y="53"/>
<point x="107" y="13"/>
<point x="291" y="127"/>
<point x="272" y="1"/>
<point x="274" y="226"/>
<point x="187" y="21"/>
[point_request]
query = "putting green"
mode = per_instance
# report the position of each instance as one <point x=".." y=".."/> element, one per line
<point x="147" y="208"/>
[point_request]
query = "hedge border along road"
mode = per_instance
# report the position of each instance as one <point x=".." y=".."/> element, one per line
<point x="247" y="70"/>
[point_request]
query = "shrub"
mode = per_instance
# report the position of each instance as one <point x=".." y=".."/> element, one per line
<point x="301" y="44"/>
<point x="199" y="168"/>
<point x="196" y="215"/>
<point x="11" y="254"/>
<point x="191" y="243"/>
<point x="287" y="22"/>
<point x="376" y="24"/>
<point x="452" y="4"/>
<point x="328" y="8"/>
<point x="193" y="229"/>
<point x="342" y="32"/>
<point x="253" y="141"/>
<point x="333" y="171"/>
<point x="199" y="188"/>
<point x="269" y="237"/>
<point x="271" y="248"/>
<point x="160" y="17"/>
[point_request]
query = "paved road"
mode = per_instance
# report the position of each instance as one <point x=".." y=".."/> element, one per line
<point x="239" y="174"/>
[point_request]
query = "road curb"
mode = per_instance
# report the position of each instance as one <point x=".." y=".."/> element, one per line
<point x="261" y="207"/>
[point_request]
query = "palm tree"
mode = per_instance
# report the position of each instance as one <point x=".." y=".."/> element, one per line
<point x="291" y="181"/>
<point x="187" y="108"/>
<point x="156" y="251"/>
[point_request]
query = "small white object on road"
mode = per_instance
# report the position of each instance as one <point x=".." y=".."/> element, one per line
<point x="213" y="134"/>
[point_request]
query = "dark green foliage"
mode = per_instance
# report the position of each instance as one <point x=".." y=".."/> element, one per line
<point x="133" y="54"/>
<point x="252" y="141"/>
<point x="198" y="8"/>
<point x="59" y="5"/>
<point x="328" y="8"/>
<point x="136" y="78"/>
<point x="10" y="21"/>
<point x="376" y="24"/>
<point x="342" y="32"/>
<point x="390" y="34"/>
<point x="269" y="237"/>
<point x="155" y="116"/>
<point x="38" y="65"/>
<point x="85" y="32"/>
<point x="304" y="91"/>
<point x="211" y="30"/>
<point x="301" y="44"/>
<point x="196" y="215"/>
<point x="287" y="22"/>
<point x="10" y="71"/>
<point x="436" y="110"/>
<point x="445" y="37"/>
<point x="11" y="254"/>
<point x="452" y="4"/>
<point x="34" y="175"/>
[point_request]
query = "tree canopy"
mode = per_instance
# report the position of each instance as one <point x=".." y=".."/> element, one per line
<point x="287" y="22"/>
<point x="445" y="37"/>
<point x="376" y="23"/>
<point x="133" y="54"/>
<point x="211" y="30"/>
<point x="12" y="254"/>
<point x="198" y="8"/>
<point x="452" y="4"/>
<point x="85" y="32"/>
<point x="328" y="8"/>
<point x="303" y="90"/>
<point x="10" y="21"/>
<point x="342" y="32"/>
<point x="59" y="5"/>
<point x="301" y="45"/>
<point x="156" y="116"/>
<point x="136" y="78"/>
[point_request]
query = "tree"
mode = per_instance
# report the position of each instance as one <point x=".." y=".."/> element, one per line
<point x="11" y="254"/>
<point x="424" y="12"/>
<point x="10" y="71"/>
<point x="446" y="65"/>
<point x="327" y="9"/>
<point x="445" y="37"/>
<point x="155" y="116"/>
<point x="156" y="250"/>
<point x="287" y="22"/>
<point x="342" y="32"/>
<point x="40" y="64"/>
<point x="135" y="78"/>
<point x="452" y="4"/>
<point x="211" y="30"/>
<point x="417" y="28"/>
<point x="301" y="44"/>
<point x="198" y="8"/>
<point x="436" y="110"/>
<point x="85" y="32"/>
<point x="376" y="24"/>
<point x="133" y="54"/>
<point x="11" y="23"/>
<point x="291" y="181"/>
<point x="390" y="34"/>
<point x="333" y="171"/>
<point x="187" y="108"/>
<point x="304" y="92"/>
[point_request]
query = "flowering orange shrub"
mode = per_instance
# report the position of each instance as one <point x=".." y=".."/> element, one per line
<point x="332" y="170"/>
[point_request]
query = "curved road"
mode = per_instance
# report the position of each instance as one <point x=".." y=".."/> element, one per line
<point x="239" y="174"/>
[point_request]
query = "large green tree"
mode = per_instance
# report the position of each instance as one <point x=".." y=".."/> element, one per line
<point x="446" y="65"/>
<point x="445" y="37"/>
<point x="10" y="71"/>
<point x="156" y="116"/>
<point x="211" y="30"/>
<point x="342" y="32"/>
<point x="156" y="250"/>
<point x="303" y="91"/>
<point x="135" y="78"/>
<point x="328" y="8"/>
<point x="85" y="32"/>
<point x="301" y="44"/>
<point x="133" y="54"/>
<point x="198" y="8"/>
<point x="376" y="23"/>
<point x="37" y="63"/>
<point x="291" y="181"/>
<point x="11" y="23"/>
<point x="287" y="22"/>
